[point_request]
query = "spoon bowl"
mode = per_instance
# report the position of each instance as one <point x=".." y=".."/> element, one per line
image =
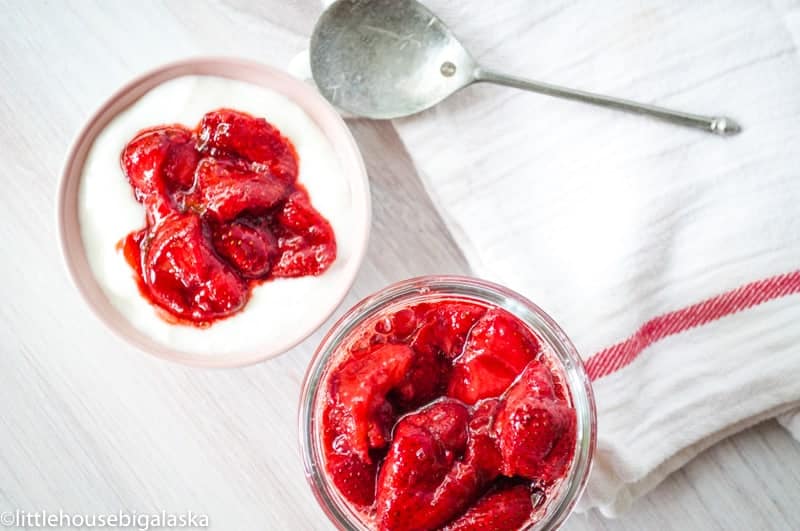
<point x="386" y="58"/>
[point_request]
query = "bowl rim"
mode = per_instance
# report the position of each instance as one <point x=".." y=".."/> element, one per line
<point x="301" y="94"/>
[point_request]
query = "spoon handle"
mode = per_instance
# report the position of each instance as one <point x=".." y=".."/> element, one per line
<point x="719" y="125"/>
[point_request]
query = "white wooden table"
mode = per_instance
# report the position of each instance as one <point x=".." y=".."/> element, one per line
<point x="89" y="425"/>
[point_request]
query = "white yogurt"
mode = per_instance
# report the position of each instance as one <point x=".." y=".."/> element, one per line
<point x="108" y="212"/>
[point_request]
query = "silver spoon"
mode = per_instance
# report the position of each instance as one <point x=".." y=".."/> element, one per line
<point x="390" y="58"/>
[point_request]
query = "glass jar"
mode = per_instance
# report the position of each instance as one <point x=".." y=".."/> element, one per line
<point x="431" y="289"/>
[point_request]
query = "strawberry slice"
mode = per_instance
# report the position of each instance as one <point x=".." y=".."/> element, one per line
<point x="439" y="337"/>
<point x="496" y="351"/>
<point x="227" y="132"/>
<point x="425" y="447"/>
<point x="161" y="155"/>
<point x="504" y="509"/>
<point x="482" y="451"/>
<point x="159" y="162"/>
<point x="359" y="417"/>
<point x="535" y="430"/>
<point x="438" y="462"/>
<point x="359" y="388"/>
<point x="225" y="189"/>
<point x="536" y="381"/>
<point x="305" y="239"/>
<point x="444" y="327"/>
<point x="249" y="249"/>
<point x="557" y="463"/>
<point x="183" y="275"/>
<point x="354" y="478"/>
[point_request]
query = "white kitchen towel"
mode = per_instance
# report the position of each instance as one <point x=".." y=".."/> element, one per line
<point x="670" y="256"/>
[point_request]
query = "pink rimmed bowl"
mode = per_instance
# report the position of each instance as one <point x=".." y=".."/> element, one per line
<point x="304" y="96"/>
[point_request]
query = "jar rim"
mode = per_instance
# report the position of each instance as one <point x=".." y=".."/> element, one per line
<point x="421" y="289"/>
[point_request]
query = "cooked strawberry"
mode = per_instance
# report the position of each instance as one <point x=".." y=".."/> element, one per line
<point x="224" y="189"/>
<point x="298" y="259"/>
<point x="249" y="249"/>
<point x="232" y="132"/>
<point x="299" y="217"/>
<point x="446" y="420"/>
<point x="158" y="162"/>
<point x="359" y="417"/>
<point x="305" y="238"/>
<point x="535" y="430"/>
<point x="427" y="377"/>
<point x="557" y="464"/>
<point x="183" y="274"/>
<point x="497" y="349"/>
<point x="527" y="435"/>
<point x="483" y="452"/>
<point x="180" y="163"/>
<point x="423" y="461"/>
<point x="359" y="388"/>
<point x="352" y="475"/>
<point x="439" y="337"/>
<point x="444" y="327"/>
<point x="504" y="509"/>
<point x="354" y="478"/>
<point x="440" y="458"/>
<point x="396" y="327"/>
<point x="160" y="156"/>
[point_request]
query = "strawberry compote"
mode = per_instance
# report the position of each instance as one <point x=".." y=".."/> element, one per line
<point x="447" y="413"/>
<point x="223" y="212"/>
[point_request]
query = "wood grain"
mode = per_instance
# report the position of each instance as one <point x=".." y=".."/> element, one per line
<point x="89" y="425"/>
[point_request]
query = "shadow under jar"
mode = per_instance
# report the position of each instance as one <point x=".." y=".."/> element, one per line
<point x="447" y="402"/>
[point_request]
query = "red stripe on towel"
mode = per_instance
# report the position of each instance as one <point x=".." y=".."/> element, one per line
<point x="618" y="356"/>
